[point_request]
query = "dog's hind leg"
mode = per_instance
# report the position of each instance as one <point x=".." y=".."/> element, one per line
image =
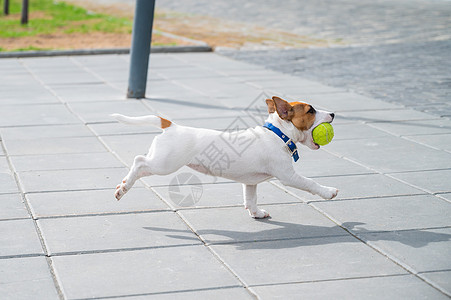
<point x="250" y="202"/>
<point x="153" y="164"/>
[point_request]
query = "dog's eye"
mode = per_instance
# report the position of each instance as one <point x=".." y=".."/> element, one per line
<point x="311" y="110"/>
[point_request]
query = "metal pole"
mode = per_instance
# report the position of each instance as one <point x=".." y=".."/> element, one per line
<point x="140" y="50"/>
<point x="24" y="19"/>
<point x="6" y="7"/>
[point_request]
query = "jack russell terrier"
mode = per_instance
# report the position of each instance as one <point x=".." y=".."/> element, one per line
<point x="268" y="152"/>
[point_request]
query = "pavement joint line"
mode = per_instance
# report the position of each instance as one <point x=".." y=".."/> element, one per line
<point x="118" y="250"/>
<point x="421" y="143"/>
<point x="382" y="252"/>
<point x="70" y="216"/>
<point x="15" y="219"/>
<point x="39" y="232"/>
<point x="22" y="255"/>
<point x="69" y="169"/>
<point x="364" y="198"/>
<point x="216" y="255"/>
<point x="59" y="154"/>
<point x="164" y="293"/>
<point x="443" y="198"/>
<point x="219" y="243"/>
<point x="66" y="190"/>
<point x="387" y="174"/>
<point x="417" y="187"/>
<point x="329" y="280"/>
<point x="85" y="68"/>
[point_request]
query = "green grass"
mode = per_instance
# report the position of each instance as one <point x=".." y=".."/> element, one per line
<point x="58" y="17"/>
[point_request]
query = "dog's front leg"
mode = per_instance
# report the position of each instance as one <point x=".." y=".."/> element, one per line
<point x="306" y="184"/>
<point x="139" y="169"/>
<point x="250" y="202"/>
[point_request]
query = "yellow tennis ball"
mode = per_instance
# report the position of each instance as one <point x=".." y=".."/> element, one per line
<point x="323" y="134"/>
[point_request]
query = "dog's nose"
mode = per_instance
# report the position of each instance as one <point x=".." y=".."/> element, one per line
<point x="332" y="115"/>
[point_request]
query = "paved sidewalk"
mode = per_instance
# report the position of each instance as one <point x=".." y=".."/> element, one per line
<point x="62" y="234"/>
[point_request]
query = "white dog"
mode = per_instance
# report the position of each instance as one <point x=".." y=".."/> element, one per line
<point x="249" y="156"/>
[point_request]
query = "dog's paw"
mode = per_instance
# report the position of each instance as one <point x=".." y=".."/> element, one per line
<point x="328" y="193"/>
<point x="259" y="214"/>
<point x="121" y="190"/>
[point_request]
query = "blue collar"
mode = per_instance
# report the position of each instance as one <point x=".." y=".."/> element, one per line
<point x="290" y="144"/>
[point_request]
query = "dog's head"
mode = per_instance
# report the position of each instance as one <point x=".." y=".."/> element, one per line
<point x="298" y="118"/>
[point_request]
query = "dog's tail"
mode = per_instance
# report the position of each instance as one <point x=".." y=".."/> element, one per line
<point x="152" y="120"/>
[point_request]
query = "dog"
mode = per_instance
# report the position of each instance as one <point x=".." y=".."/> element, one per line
<point x="267" y="153"/>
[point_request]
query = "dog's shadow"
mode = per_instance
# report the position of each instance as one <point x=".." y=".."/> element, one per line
<point x="290" y="235"/>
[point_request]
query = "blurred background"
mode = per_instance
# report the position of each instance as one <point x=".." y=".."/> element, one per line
<point x="398" y="51"/>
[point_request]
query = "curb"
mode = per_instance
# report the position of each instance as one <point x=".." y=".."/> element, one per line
<point x="155" y="49"/>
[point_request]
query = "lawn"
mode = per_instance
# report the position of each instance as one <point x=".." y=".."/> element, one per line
<point x="60" y="25"/>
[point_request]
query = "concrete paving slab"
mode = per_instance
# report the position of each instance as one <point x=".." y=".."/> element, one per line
<point x="183" y="71"/>
<point x="88" y="93"/>
<point x="31" y="96"/>
<point x="438" y="141"/>
<point x="93" y="202"/>
<point x="45" y="146"/>
<point x="446" y="196"/>
<point x="171" y="90"/>
<point x="391" y="154"/>
<point x="358" y="186"/>
<point x="321" y="163"/>
<point x="42" y="132"/>
<point x="377" y="288"/>
<point x="431" y="181"/>
<point x="221" y="86"/>
<point x="184" y="173"/>
<point x="219" y="123"/>
<point x="41" y="114"/>
<point x="71" y="180"/>
<point x="180" y="107"/>
<point x="300" y="260"/>
<point x="114" y="232"/>
<point x="12" y="207"/>
<point x="295" y="87"/>
<point x="356" y="131"/>
<point x="341" y="102"/>
<point x="19" y="237"/>
<point x="70" y="76"/>
<point x="57" y="62"/>
<point x="440" y="278"/>
<point x="409" y="128"/>
<point x="7" y="182"/>
<point x="102" y="129"/>
<point x="127" y="147"/>
<point x="69" y="161"/>
<point x="233" y="224"/>
<point x="96" y="112"/>
<point x="394" y="213"/>
<point x="141" y="272"/>
<point x="220" y="194"/>
<point x="26" y="278"/>
<point x="421" y="250"/>
<point x="390" y="115"/>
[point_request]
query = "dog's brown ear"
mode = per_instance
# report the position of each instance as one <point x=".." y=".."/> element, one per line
<point x="271" y="105"/>
<point x="284" y="109"/>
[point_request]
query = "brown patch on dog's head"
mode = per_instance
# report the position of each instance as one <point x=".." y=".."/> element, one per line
<point x="302" y="115"/>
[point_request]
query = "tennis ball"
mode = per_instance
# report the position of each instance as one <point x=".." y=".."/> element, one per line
<point x="323" y="134"/>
